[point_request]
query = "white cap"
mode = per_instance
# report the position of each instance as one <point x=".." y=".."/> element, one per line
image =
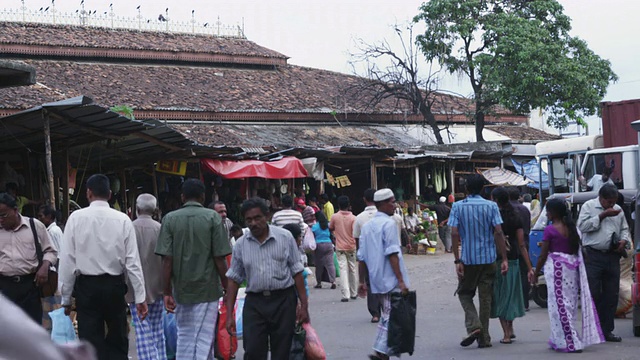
<point x="382" y="195"/>
<point x="443" y="199"/>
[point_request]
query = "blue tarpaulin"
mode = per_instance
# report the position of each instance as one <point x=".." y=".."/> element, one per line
<point x="531" y="170"/>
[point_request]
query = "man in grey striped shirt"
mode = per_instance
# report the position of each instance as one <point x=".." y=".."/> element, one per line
<point x="269" y="260"/>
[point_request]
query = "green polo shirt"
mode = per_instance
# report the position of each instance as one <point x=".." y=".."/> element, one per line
<point x="194" y="235"/>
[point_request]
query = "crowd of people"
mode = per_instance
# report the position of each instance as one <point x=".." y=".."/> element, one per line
<point x="196" y="256"/>
<point x="581" y="265"/>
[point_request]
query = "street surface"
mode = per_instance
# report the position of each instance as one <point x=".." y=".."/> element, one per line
<point x="346" y="332"/>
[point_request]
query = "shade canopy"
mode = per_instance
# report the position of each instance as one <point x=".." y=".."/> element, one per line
<point x="288" y="167"/>
<point x="498" y="176"/>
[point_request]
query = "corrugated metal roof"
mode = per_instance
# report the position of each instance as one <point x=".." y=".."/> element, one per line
<point x="73" y="122"/>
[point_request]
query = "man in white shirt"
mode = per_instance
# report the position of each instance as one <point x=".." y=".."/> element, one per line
<point x="373" y="303"/>
<point x="597" y="181"/>
<point x="605" y="235"/>
<point x="47" y="216"/>
<point x="98" y="246"/>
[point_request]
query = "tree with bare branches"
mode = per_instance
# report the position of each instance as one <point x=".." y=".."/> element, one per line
<point x="393" y="76"/>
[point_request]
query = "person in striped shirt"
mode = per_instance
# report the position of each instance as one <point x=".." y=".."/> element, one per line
<point x="477" y="223"/>
<point x="287" y="215"/>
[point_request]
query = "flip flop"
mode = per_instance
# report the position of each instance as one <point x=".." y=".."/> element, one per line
<point x="375" y="319"/>
<point x="470" y="338"/>
<point x="503" y="341"/>
<point x="513" y="336"/>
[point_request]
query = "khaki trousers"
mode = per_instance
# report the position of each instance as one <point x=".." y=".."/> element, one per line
<point x="348" y="273"/>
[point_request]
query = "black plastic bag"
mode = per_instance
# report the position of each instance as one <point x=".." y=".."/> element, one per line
<point x="297" y="345"/>
<point x="402" y="323"/>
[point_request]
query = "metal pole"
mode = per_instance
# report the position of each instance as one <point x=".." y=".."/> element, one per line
<point x="47" y="147"/>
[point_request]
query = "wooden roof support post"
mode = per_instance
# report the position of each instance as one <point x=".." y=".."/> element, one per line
<point x="155" y="183"/>
<point x="374" y="175"/>
<point x="416" y="176"/>
<point x="47" y="148"/>
<point x="65" y="186"/>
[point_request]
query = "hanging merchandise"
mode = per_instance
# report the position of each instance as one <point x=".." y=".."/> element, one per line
<point x="343" y="181"/>
<point x="437" y="183"/>
<point x="444" y="178"/>
<point x="330" y="179"/>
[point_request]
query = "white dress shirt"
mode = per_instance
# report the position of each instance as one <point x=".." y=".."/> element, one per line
<point x="55" y="235"/>
<point x="598" y="233"/>
<point x="99" y="240"/>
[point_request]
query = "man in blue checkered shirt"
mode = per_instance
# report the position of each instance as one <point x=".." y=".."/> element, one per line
<point x="477" y="223"/>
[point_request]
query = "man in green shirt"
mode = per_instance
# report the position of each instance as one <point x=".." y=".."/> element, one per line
<point x="21" y="201"/>
<point x="193" y="244"/>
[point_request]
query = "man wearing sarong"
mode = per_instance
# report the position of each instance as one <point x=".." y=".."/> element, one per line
<point x="150" y="343"/>
<point x="268" y="259"/>
<point x="193" y="244"/>
<point x="380" y="257"/>
<point x="605" y="235"/>
<point x="478" y="224"/>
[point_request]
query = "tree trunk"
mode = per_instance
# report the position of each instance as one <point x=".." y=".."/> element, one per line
<point x="431" y="120"/>
<point x="479" y="117"/>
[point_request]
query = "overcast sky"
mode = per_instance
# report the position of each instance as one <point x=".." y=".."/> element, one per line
<point x="321" y="33"/>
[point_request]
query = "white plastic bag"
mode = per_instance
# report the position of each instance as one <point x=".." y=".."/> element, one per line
<point x="308" y="240"/>
<point x="62" y="330"/>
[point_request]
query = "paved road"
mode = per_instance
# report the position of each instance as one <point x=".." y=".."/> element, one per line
<point x="346" y="332"/>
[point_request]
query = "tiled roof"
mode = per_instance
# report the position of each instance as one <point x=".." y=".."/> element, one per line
<point x="523" y="133"/>
<point x="92" y="37"/>
<point x="283" y="137"/>
<point x="165" y="91"/>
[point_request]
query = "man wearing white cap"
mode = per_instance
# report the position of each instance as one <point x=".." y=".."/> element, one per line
<point x="381" y="257"/>
<point x="444" y="231"/>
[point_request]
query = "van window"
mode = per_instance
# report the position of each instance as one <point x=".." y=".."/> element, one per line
<point x="561" y="171"/>
<point x="597" y="163"/>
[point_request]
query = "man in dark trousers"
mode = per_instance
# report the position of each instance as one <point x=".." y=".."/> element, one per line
<point x="19" y="271"/>
<point x="98" y="247"/>
<point x="605" y="235"/>
<point x="269" y="260"/>
<point x="525" y="217"/>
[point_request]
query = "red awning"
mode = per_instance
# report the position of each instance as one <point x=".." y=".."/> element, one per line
<point x="286" y="168"/>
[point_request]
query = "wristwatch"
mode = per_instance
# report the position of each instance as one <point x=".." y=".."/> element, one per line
<point x="457" y="261"/>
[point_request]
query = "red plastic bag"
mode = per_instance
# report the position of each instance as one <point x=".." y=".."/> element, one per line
<point x="313" y="348"/>
<point x="225" y="345"/>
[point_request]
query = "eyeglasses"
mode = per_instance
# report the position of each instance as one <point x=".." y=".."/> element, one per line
<point x="3" y="216"/>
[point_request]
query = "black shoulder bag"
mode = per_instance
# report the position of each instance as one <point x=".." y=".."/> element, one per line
<point x="51" y="286"/>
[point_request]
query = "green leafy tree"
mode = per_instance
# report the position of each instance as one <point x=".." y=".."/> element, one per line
<point x="518" y="54"/>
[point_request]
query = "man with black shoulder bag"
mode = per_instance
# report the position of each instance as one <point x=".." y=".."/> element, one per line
<point x="605" y="236"/>
<point x="26" y="254"/>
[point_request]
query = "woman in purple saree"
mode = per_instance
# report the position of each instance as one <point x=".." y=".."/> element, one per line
<point x="567" y="284"/>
